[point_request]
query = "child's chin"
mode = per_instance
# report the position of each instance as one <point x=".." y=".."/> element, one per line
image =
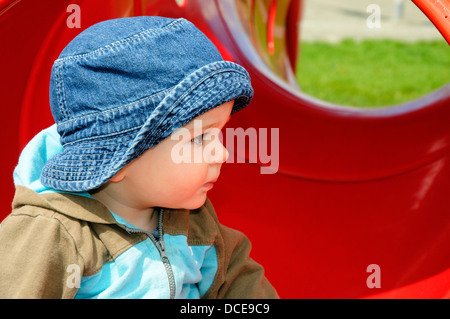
<point x="197" y="203"/>
<point x="193" y="203"/>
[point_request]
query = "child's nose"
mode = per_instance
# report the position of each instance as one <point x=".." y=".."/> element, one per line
<point x="218" y="154"/>
<point x="225" y="155"/>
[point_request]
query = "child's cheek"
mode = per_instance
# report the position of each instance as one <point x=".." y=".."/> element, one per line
<point x="189" y="176"/>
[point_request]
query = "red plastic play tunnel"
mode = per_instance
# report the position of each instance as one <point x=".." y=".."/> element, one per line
<point x="358" y="204"/>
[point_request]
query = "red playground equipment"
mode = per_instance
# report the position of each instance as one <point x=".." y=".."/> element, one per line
<point x="359" y="206"/>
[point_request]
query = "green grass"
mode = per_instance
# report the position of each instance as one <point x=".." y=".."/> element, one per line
<point x="372" y="73"/>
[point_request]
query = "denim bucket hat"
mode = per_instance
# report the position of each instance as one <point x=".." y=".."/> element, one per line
<point x="124" y="85"/>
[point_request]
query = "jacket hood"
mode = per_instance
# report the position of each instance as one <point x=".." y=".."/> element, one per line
<point x="31" y="192"/>
<point x="36" y="153"/>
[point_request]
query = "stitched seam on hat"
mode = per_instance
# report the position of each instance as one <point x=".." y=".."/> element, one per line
<point x="104" y="135"/>
<point x="100" y="146"/>
<point x="60" y="89"/>
<point x="145" y="99"/>
<point x="69" y="182"/>
<point x="57" y="172"/>
<point x="130" y="38"/>
<point x="81" y="172"/>
<point x="69" y="153"/>
<point x="93" y="154"/>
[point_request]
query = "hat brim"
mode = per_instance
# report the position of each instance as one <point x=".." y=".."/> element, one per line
<point x="88" y="165"/>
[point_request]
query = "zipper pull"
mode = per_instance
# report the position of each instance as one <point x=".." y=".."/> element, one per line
<point x="163" y="251"/>
<point x="161" y="245"/>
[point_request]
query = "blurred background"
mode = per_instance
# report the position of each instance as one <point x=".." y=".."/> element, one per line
<point x="370" y="53"/>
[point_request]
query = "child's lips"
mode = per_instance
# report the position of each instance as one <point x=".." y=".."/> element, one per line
<point x="209" y="185"/>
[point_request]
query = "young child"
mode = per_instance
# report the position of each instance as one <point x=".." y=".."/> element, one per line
<point x="101" y="208"/>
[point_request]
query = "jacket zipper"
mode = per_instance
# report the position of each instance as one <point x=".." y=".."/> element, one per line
<point x="159" y="244"/>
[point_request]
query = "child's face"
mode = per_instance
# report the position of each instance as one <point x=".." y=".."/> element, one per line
<point x="159" y="179"/>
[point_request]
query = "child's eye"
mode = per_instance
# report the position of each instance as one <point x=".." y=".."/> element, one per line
<point x="198" y="139"/>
